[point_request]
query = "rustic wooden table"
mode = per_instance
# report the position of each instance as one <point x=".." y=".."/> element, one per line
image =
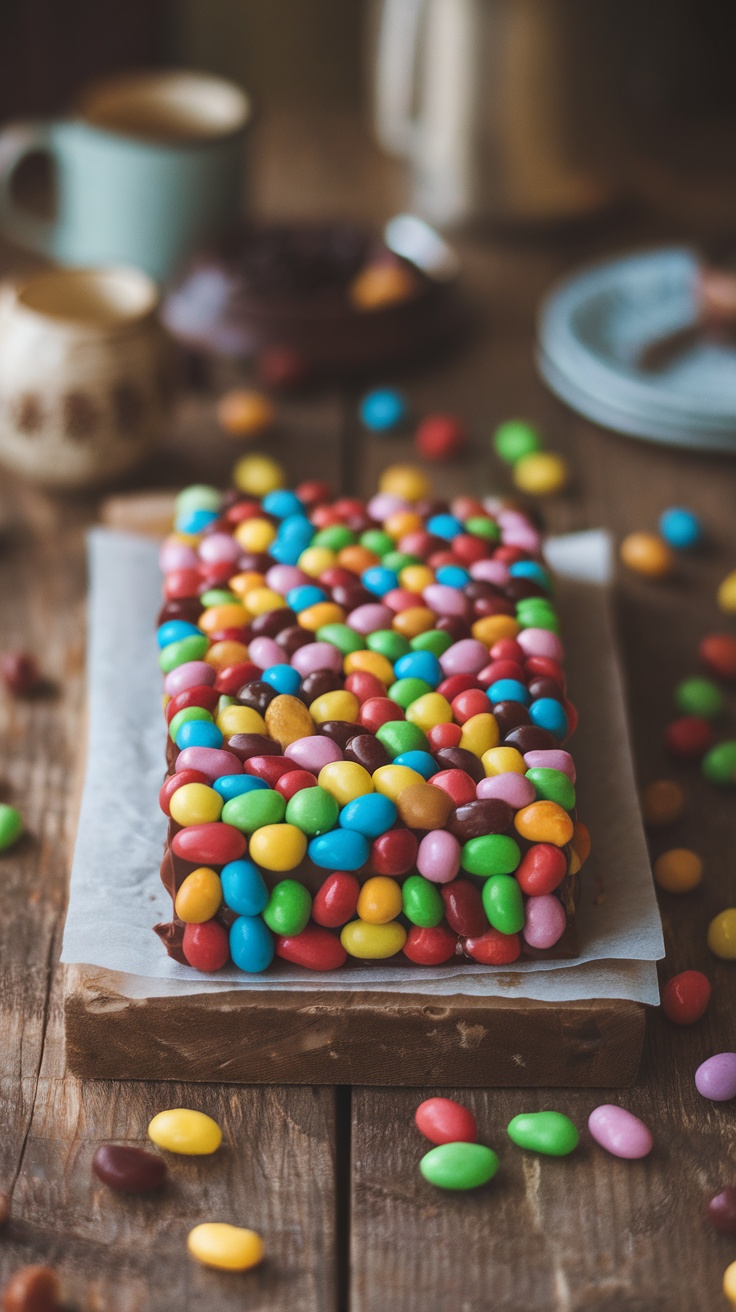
<point x="329" y="1175"/>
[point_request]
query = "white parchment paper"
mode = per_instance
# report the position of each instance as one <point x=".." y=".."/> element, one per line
<point x="116" y="895"/>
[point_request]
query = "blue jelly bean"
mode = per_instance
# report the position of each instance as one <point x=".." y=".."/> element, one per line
<point x="382" y="409"/>
<point x="531" y="569"/>
<point x="420" y="761"/>
<point x="282" y="503"/>
<point x="547" y="713"/>
<point x="340" y="849"/>
<point x="296" y="527"/>
<point x="680" y="527"/>
<point x="234" y="785"/>
<point x="419" y="665"/>
<point x="452" y="576"/>
<point x="303" y="596"/>
<point x="379" y="580"/>
<point x="285" y="551"/>
<point x="243" y="888"/>
<point x="445" y="526"/>
<point x="195" y="521"/>
<point x="175" y="630"/>
<point x="508" y="690"/>
<point x="251" y="944"/>
<point x="370" y="815"/>
<point x="284" y="678"/>
<point x="198" y="733"/>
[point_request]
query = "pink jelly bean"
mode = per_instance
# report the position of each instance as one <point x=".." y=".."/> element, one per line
<point x="313" y="753"/>
<point x="444" y="600"/>
<point x="401" y="599"/>
<point x="264" y="652"/>
<point x="367" y="619"/>
<point x="414" y="543"/>
<point x="438" y="858"/>
<point x="176" y="555"/>
<point x="212" y="761"/>
<point x="315" y="656"/>
<point x="219" y="547"/>
<point x="490" y="571"/>
<point x="510" y="518"/>
<point x="544" y="921"/>
<point x="465" y="657"/>
<point x="551" y="759"/>
<point x="384" y="504"/>
<point x="515" y="789"/>
<point x="526" y="538"/>
<point x="540" y="642"/>
<point x="620" y="1132"/>
<point x="284" y="577"/>
<point x="192" y="674"/>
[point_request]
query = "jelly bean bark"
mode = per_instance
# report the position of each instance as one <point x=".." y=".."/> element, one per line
<point x="366" y="728"/>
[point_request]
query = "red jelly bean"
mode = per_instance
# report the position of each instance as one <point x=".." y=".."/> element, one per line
<point x="182" y="583"/>
<point x="377" y="711"/>
<point x="129" y="1170"/>
<point x="401" y="599"/>
<point x="312" y="491"/>
<point x="464" y="909"/>
<point x="572" y="718"/>
<point x="325" y="517"/>
<point x="493" y="948"/>
<point x="336" y="577"/>
<point x="294" y="781"/>
<point x="203" y="696"/>
<point x="206" y="946"/>
<point x="270" y="768"/>
<point x="470" y="703"/>
<point x="169" y="787"/>
<point x="440" y="437"/>
<point x="240" y="511"/>
<point x="216" y="573"/>
<point x="212" y="844"/>
<point x="20" y="672"/>
<point x="231" y="678"/>
<point x="509" y="555"/>
<point x="469" y="548"/>
<point x="686" y="996"/>
<point x="442" y="557"/>
<point x="501" y="670"/>
<point x="455" y="684"/>
<point x="507" y="649"/>
<point x="315" y="948"/>
<point x="689" y="738"/>
<point x="456" y="783"/>
<point x="228" y="635"/>
<point x="336" y="900"/>
<point x="718" y="654"/>
<point x="442" y="1120"/>
<point x="430" y="946"/>
<point x="543" y="667"/>
<point x="364" y="686"/>
<point x="542" y="869"/>
<point x="444" y="735"/>
<point x="467" y="508"/>
<point x="394" y="853"/>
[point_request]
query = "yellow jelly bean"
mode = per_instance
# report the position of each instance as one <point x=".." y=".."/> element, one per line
<point x="402" y="522"/>
<point x="371" y="662"/>
<point x="726" y="597"/>
<point x="491" y="628"/>
<point x="544" y="822"/>
<point x="323" y="612"/>
<point x="255" y="534"/>
<point x="195" y="804"/>
<point x="722" y="934"/>
<point x="503" y="760"/>
<point x="248" y="581"/>
<point x="540" y="473"/>
<point x="239" y="719"/>
<point x="315" y="560"/>
<point x="415" y="578"/>
<point x="180" y="1130"/>
<point x="225" y="1247"/>
<point x="677" y="871"/>
<point x="379" y="900"/>
<point x="226" y="653"/>
<point x="258" y="475"/>
<point x="243" y="412"/>
<point x="200" y="895"/>
<point x="729" y="1283"/>
<point x="261" y="600"/>
<point x="373" y="942"/>
<point x="479" y="733"/>
<point x="390" y="780"/>
<point x="278" y="847"/>
<point x="405" y="481"/>
<point x="223" y="617"/>
<point x="574" y="863"/>
<point x="413" y="621"/>
<point x="429" y="710"/>
<point x="345" y="780"/>
<point x="335" y="706"/>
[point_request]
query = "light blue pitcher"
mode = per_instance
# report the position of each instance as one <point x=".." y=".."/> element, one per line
<point x="149" y="167"/>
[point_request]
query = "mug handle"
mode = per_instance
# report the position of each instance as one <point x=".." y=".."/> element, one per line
<point x="18" y="140"/>
<point x="396" y="51"/>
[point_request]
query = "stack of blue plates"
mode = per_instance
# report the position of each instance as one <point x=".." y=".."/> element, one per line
<point x="593" y="329"/>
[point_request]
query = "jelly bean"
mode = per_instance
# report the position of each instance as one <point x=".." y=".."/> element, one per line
<point x="313" y="753"/>
<point x="287" y="720"/>
<point x="199" y="896"/>
<point x="335" y="706"/>
<point x="278" y="847"/>
<point x="336" y="900"/>
<point x="541" y="870"/>
<point x="167" y="633"/>
<point x="257" y="475"/>
<point x="250" y="811"/>
<point x="421" y="805"/>
<point x="380" y="900"/>
<point x="382" y="409"/>
<point x="370" y="942"/>
<point x="646" y="554"/>
<point x="502" y="903"/>
<point x="493" y="854"/>
<point x="187" y="715"/>
<point x="192" y="674"/>
<point x="195" y="804"/>
<point x="515" y="439"/>
<point x="721" y="936"/>
<point x="503" y="760"/>
<point x="282" y="503"/>
<point x="514" y="789"/>
<point x="685" y="997"/>
<point x="232" y="677"/>
<point x="345" y="780"/>
<point x="421" y="902"/>
<point x="620" y="1132"/>
<point x="726" y="594"/>
<point x="438" y="858"/>
<point x="434" y="640"/>
<point x="662" y="802"/>
<point x="552" y="786"/>
<point x="480" y="734"/>
<point x="284" y="678"/>
<point x="442" y="1120"/>
<point x="464" y="908"/>
<point x="198" y="496"/>
<point x="459" y="1165"/>
<point x="243" y="888"/>
<point x="430" y="946"/>
<point x="545" y="1132"/>
<point x="729" y="1283"/>
<point x="544" y="921"/>
<point x="288" y="908"/>
<point x="377" y="711"/>
<point x="547" y="713"/>
<point x="680" y="528"/>
<point x="719" y="764"/>
<point x="458" y="785"/>
<point x="718" y="652"/>
<point x="541" y="473"/>
<point x="698" y="696"/>
<point x="394" y="853"/>
<point x="190" y="1133"/>
<point x="544" y="822"/>
<point x="313" y="810"/>
<point x="11" y="826"/>
<point x="182" y="652"/>
<point x="209" y="844"/>
<point x="129" y="1170"/>
<point x="493" y="948"/>
<point x="341" y="849"/>
<point x="205" y="946"/>
<point x="175" y="781"/>
<point x="225" y="1247"/>
<point x="370" y="815"/>
<point x="391" y="780"/>
<point x="678" y="871"/>
<point x="721" y="1212"/>
<point x="421" y="762"/>
<point x="715" y="1078"/>
<point x="197" y="732"/>
<point x="429" y="710"/>
<point x="479" y="817"/>
<point x="251" y="944"/>
<point x="314" y="949"/>
<point x="440" y="437"/>
<point x="689" y="738"/>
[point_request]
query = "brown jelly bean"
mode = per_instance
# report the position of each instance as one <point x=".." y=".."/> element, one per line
<point x="489" y="815"/>
<point x="421" y="806"/>
<point x="456" y="627"/>
<point x="464" y="908"/>
<point x="272" y="622"/>
<point x="319" y="682"/>
<point x="721" y="1211"/>
<point x="394" y="853"/>
<point x="256" y="562"/>
<point x="256" y="694"/>
<point x="32" y="1289"/>
<point x="292" y="639"/>
<point x="529" y="738"/>
<point x="541" y="687"/>
<point x="180" y="608"/>
<point x="20" y="672"/>
<point x="427" y="507"/>
<point x="479" y="589"/>
<point x="510" y="715"/>
<point x="245" y="745"/>
<point x="492" y="606"/>
<point x="129" y="1170"/>
<point x="352" y="597"/>
<point x="366" y="750"/>
<point x="339" y="731"/>
<point x="518" y="589"/>
<point x="457" y="758"/>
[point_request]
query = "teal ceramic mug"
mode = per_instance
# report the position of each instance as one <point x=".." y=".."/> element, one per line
<point x="149" y="166"/>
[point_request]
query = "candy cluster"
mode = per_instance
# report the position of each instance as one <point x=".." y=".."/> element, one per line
<point x="366" y="715"/>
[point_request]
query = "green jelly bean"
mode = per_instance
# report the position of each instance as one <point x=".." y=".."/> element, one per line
<point x="544" y="1132"/>
<point x="540" y="621"/>
<point x="223" y="702"/>
<point x="406" y="691"/>
<point x="188" y="713"/>
<point x="491" y="854"/>
<point x="342" y="637"/>
<point x="719" y="764"/>
<point x="515" y="439"/>
<point x="313" y="810"/>
<point x="502" y="903"/>
<point x="199" y="496"/>
<point x="11" y="826"/>
<point x="483" y="528"/>
<point x="459" y="1165"/>
<point x="249" y="811"/>
<point x="398" y="560"/>
<point x="422" y="904"/>
<point x="700" y="697"/>
<point x="288" y="907"/>
<point x="191" y="648"/>
<point x="377" y="541"/>
<point x="535" y="606"/>
<point x="434" y="640"/>
<point x="220" y="597"/>
<point x="335" y="537"/>
<point x="553" y="786"/>
<point x="389" y="644"/>
<point x="399" y="736"/>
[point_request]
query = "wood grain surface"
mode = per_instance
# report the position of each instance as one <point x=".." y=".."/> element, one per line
<point x="329" y="1177"/>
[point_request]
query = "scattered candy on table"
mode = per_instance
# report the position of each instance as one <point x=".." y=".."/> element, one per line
<point x="442" y="1120"/>
<point x="685" y="997"/>
<point x="383" y="409"/>
<point x="541" y="474"/>
<point x="459" y="1165"/>
<point x="646" y="554"/>
<point x="180" y="1130"/>
<point x="680" y="528"/>
<point x="726" y="595"/>
<point x="678" y="871"/>
<point x="243" y="412"/>
<point x="716" y="1077"/>
<point x="440" y="437"/>
<point x="225" y="1247"/>
<point x="698" y="696"/>
<point x="549" y="1132"/>
<point x="662" y="802"/>
<point x="11" y="825"/>
<point x="129" y="1170"/>
<point x="689" y="738"/>
<point x="718" y="653"/>
<point x="258" y="475"/>
<point x="719" y="764"/>
<point x="20" y="672"/>
<point x="515" y="439"/>
<point x="620" y="1132"/>
<point x="721" y="936"/>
